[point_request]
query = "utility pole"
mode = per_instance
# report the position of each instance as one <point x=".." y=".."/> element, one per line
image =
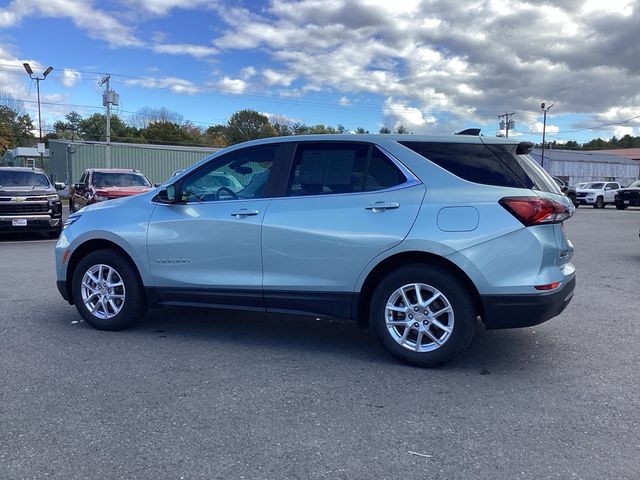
<point x="544" y="128"/>
<point x="507" y="124"/>
<point x="109" y="97"/>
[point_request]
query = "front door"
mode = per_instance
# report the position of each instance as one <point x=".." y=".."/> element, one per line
<point x="206" y="248"/>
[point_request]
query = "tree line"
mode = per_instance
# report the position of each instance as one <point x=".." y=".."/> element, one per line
<point x="163" y="126"/>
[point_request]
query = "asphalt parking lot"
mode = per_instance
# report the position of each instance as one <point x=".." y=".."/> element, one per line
<point x="204" y="394"/>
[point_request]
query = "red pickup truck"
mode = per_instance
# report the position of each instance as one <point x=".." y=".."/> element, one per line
<point x="100" y="184"/>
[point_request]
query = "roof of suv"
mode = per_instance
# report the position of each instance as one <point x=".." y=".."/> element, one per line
<point x="23" y="169"/>
<point x="375" y="138"/>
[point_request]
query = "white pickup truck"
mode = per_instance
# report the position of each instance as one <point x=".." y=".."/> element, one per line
<point x="597" y="194"/>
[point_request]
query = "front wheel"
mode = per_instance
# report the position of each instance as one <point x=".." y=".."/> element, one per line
<point x="620" y="206"/>
<point x="423" y="315"/>
<point x="107" y="291"/>
<point x="599" y="203"/>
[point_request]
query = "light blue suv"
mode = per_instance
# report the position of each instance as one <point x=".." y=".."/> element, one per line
<point x="414" y="236"/>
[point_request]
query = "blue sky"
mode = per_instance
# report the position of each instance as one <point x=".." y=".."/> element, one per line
<point x="433" y="66"/>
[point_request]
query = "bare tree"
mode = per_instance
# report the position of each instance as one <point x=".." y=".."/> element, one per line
<point x="148" y="115"/>
<point x="8" y="100"/>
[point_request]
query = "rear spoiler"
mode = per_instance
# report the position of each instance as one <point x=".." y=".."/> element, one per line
<point x="470" y="131"/>
<point x="524" y="148"/>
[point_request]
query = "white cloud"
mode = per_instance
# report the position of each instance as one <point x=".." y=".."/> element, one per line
<point x="163" y="7"/>
<point x="174" y="84"/>
<point x="232" y="85"/>
<point x="248" y="72"/>
<point x="344" y="101"/>
<point x="277" y="78"/>
<point x="466" y="61"/>
<point x="95" y="22"/>
<point x="620" y="131"/>
<point x="197" y="51"/>
<point x="70" y="77"/>
<point x="398" y="113"/>
<point x="280" y="118"/>
<point x="537" y="127"/>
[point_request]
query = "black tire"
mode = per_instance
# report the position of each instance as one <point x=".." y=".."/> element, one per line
<point x="599" y="203"/>
<point x="620" y="206"/>
<point x="573" y="200"/>
<point x="453" y="289"/>
<point x="134" y="304"/>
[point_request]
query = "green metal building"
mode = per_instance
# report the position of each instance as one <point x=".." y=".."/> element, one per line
<point x="68" y="160"/>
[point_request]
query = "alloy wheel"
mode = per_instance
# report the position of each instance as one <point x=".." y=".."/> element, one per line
<point x="103" y="291"/>
<point x="419" y="317"/>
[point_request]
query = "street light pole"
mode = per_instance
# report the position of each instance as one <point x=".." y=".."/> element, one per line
<point x="544" y="128"/>
<point x="29" y="71"/>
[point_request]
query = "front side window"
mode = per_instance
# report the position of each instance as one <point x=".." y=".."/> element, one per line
<point x="239" y="175"/>
<point x="331" y="168"/>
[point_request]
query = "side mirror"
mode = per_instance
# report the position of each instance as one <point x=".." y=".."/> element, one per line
<point x="60" y="185"/>
<point x="167" y="195"/>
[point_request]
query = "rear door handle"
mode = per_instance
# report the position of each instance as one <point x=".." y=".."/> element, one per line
<point x="382" y="206"/>
<point x="244" y="213"/>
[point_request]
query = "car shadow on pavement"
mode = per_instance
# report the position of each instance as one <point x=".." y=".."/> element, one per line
<point x="489" y="351"/>
<point x="25" y="237"/>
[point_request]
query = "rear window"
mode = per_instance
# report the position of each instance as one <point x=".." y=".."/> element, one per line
<point x="496" y="165"/>
<point x="108" y="179"/>
<point x="13" y="178"/>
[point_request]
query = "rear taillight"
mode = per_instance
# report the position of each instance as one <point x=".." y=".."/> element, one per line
<point x="535" y="210"/>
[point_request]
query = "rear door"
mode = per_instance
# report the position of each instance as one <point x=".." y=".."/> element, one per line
<point x="342" y="204"/>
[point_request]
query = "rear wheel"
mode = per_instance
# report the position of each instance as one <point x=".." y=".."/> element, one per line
<point x="107" y="291"/>
<point x="423" y="315"/>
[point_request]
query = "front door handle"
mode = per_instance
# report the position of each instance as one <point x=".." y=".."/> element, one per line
<point x="382" y="206"/>
<point x="244" y="213"/>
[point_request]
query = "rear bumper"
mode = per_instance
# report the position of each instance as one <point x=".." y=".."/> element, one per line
<point x="517" y="311"/>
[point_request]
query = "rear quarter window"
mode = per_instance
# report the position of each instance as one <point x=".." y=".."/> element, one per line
<point x="474" y="163"/>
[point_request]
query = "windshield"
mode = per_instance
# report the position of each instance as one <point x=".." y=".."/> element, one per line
<point x="14" y="178"/>
<point x="635" y="184"/>
<point x="117" y="179"/>
<point x="596" y="186"/>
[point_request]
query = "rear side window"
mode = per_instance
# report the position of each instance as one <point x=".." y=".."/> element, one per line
<point x="474" y="162"/>
<point x="330" y="168"/>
